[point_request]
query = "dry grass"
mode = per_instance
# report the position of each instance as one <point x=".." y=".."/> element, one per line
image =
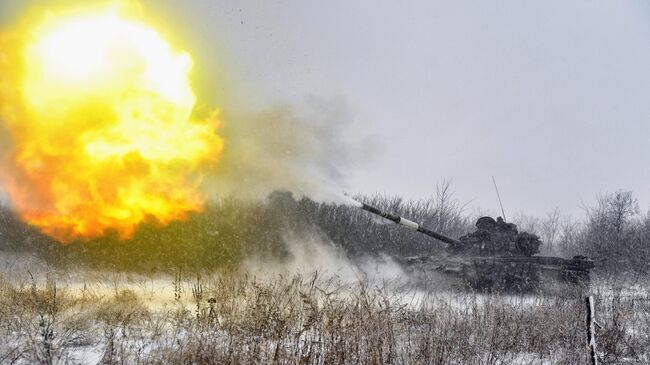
<point x="237" y="318"/>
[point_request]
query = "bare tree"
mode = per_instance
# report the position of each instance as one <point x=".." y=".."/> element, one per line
<point x="610" y="230"/>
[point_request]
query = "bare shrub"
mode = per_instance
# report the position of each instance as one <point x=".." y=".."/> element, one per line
<point x="239" y="318"/>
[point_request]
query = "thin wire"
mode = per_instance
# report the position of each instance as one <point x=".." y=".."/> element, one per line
<point x="499" y="196"/>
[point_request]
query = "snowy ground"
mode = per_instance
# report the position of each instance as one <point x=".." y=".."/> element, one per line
<point x="316" y="318"/>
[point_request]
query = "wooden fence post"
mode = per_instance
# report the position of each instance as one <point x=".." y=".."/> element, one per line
<point x="591" y="331"/>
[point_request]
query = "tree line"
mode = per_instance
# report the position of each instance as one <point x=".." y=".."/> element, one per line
<point x="614" y="232"/>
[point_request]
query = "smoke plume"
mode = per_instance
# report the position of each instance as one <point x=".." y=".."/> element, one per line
<point x="302" y="149"/>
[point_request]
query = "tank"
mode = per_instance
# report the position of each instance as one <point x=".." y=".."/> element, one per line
<point x="496" y="256"/>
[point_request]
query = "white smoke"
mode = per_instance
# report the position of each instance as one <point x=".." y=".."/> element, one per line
<point x="310" y="253"/>
<point x="305" y="148"/>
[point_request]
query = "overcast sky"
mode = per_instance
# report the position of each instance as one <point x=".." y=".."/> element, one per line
<point x="550" y="97"/>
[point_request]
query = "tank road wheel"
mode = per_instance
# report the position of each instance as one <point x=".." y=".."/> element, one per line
<point x="578" y="277"/>
<point x="516" y="277"/>
<point x="483" y="283"/>
<point x="504" y="276"/>
<point x="521" y="278"/>
<point x="485" y="278"/>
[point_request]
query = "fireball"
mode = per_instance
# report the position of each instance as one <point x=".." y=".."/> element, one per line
<point x="98" y="108"/>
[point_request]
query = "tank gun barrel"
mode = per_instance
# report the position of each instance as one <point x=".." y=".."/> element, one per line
<point x="409" y="224"/>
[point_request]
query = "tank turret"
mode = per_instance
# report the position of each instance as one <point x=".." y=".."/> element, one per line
<point x="496" y="237"/>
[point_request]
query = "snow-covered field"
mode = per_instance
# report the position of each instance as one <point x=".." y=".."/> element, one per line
<point x="317" y="318"/>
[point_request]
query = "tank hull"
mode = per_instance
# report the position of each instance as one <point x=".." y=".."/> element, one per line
<point x="500" y="273"/>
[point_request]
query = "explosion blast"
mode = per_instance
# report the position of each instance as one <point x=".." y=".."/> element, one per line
<point x="98" y="109"/>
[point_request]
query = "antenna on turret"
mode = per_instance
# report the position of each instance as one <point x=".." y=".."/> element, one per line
<point x="499" y="196"/>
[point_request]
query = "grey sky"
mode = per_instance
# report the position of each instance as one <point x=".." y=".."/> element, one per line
<point x="551" y="97"/>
